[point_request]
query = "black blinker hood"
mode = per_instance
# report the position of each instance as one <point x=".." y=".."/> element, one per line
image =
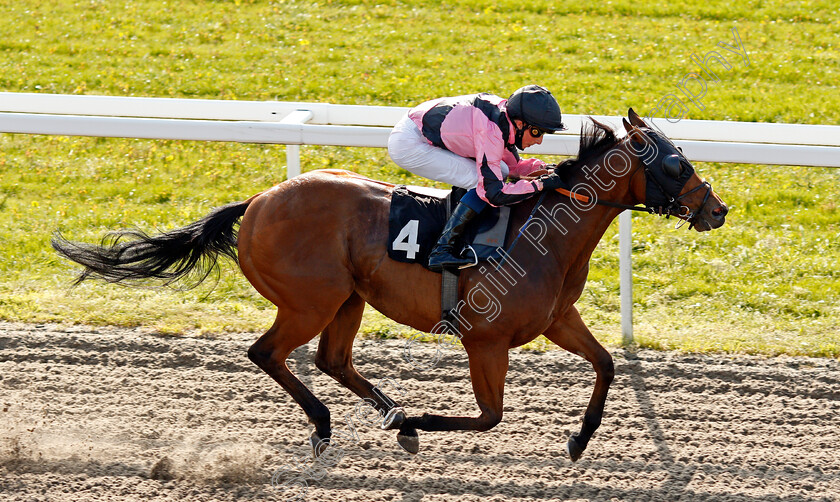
<point x="661" y="189"/>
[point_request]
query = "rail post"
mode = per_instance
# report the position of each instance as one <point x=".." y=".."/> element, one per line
<point x="293" y="151"/>
<point x="625" y="271"/>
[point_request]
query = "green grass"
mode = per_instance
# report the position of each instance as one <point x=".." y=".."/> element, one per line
<point x="767" y="282"/>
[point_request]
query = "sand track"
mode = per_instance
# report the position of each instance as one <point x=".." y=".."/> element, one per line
<point x="87" y="413"/>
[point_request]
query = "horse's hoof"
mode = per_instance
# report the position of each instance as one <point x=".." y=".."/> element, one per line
<point x="318" y="446"/>
<point x="573" y="448"/>
<point x="394" y="419"/>
<point x="409" y="441"/>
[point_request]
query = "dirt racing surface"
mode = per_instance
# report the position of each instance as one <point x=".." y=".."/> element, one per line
<point x="124" y="414"/>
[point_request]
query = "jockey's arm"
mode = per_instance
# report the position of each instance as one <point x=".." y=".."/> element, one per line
<point x="496" y="191"/>
<point x="520" y="168"/>
<point x="490" y="151"/>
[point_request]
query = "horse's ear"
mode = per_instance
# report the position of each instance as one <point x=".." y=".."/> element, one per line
<point x="635" y="119"/>
<point x="636" y="134"/>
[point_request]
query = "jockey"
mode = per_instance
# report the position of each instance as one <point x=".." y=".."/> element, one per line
<point x="471" y="142"/>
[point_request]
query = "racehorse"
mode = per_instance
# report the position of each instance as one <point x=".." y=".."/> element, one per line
<point x="315" y="246"/>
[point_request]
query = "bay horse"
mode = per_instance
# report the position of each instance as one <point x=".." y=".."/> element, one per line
<point x="315" y="246"/>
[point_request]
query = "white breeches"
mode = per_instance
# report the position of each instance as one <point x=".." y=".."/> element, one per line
<point x="411" y="151"/>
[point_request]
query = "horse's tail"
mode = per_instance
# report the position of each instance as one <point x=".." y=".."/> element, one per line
<point x="170" y="256"/>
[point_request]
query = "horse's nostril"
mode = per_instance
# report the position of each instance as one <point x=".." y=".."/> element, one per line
<point x="720" y="212"/>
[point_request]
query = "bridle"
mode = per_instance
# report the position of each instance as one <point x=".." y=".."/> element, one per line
<point x="672" y="206"/>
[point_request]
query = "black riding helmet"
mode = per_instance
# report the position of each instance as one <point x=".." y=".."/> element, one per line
<point x="535" y="106"/>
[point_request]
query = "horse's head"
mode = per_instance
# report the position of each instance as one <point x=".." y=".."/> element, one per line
<point x="670" y="185"/>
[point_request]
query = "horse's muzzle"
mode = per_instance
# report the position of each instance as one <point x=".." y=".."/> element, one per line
<point x="712" y="218"/>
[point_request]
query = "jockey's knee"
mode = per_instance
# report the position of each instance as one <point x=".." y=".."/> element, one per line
<point x="473" y="201"/>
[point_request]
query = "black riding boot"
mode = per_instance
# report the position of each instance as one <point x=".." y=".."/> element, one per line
<point x="445" y="254"/>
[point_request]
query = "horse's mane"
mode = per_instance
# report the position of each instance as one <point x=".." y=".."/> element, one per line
<point x="595" y="138"/>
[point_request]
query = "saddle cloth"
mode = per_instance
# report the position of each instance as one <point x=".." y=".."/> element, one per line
<point x="418" y="215"/>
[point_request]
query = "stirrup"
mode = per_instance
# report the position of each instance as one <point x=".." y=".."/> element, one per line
<point x="475" y="257"/>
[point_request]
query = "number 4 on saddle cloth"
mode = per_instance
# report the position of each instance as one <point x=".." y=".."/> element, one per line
<point x="417" y="217"/>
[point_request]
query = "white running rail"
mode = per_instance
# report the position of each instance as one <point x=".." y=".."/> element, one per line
<point x="300" y="123"/>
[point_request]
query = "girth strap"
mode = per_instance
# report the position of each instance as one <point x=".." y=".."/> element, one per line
<point x="449" y="298"/>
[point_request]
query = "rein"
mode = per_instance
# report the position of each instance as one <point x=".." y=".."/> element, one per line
<point x="673" y="208"/>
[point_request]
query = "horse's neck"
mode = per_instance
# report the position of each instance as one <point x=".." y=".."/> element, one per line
<point x="581" y="243"/>
<point x="577" y="245"/>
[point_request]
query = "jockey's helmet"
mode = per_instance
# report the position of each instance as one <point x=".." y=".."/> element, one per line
<point x="535" y="106"/>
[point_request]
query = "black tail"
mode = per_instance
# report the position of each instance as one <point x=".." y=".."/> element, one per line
<point x="170" y="256"/>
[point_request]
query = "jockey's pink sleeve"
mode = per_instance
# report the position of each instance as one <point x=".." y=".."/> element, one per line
<point x="463" y="126"/>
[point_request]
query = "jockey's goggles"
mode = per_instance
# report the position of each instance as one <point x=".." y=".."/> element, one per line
<point x="536" y="132"/>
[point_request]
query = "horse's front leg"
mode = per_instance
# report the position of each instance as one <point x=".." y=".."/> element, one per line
<point x="488" y="367"/>
<point x="572" y="334"/>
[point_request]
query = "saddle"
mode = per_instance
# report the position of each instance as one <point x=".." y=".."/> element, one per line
<point x="417" y="217"/>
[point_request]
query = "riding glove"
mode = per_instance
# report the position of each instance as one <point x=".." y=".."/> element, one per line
<point x="552" y="182"/>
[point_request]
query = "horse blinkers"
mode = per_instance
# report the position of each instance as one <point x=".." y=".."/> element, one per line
<point x="666" y="176"/>
<point x="672" y="166"/>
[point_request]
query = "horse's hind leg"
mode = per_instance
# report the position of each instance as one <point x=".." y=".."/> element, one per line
<point x="270" y="351"/>
<point x="335" y="358"/>
<point x="573" y="335"/>
<point x="488" y="367"/>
